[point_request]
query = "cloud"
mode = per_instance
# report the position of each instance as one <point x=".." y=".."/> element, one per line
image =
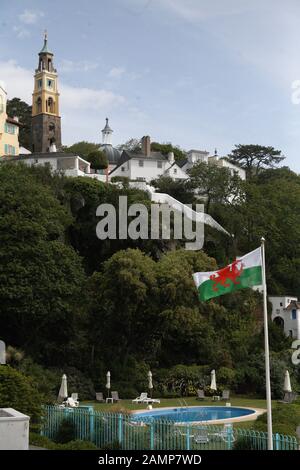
<point x="88" y="99"/>
<point x="30" y="16"/>
<point x="21" y="32"/>
<point x="72" y="66"/>
<point x="116" y="72"/>
<point x="83" y="109"/>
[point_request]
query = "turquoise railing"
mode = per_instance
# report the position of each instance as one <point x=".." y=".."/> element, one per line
<point x="116" y="430"/>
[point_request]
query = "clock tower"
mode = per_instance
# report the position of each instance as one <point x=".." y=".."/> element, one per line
<point x="45" y="125"/>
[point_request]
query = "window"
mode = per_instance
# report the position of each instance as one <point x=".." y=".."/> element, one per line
<point x="122" y="168"/>
<point x="290" y="333"/>
<point x="9" y="128"/>
<point x="141" y="163"/>
<point x="175" y="171"/>
<point x="50" y="106"/>
<point x="50" y="83"/>
<point x="159" y="164"/>
<point x="294" y="314"/>
<point x="280" y="304"/>
<point x="39" y="105"/>
<point x="51" y="127"/>
<point x="40" y="83"/>
<point x="9" y="149"/>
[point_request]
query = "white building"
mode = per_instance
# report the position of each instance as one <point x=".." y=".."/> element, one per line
<point x="65" y="163"/>
<point x="223" y="163"/>
<point x="146" y="165"/>
<point x="286" y="314"/>
<point x="193" y="157"/>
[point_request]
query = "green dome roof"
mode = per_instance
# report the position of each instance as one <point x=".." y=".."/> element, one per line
<point x="45" y="49"/>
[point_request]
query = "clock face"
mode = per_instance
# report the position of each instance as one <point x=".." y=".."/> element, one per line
<point x="51" y="127"/>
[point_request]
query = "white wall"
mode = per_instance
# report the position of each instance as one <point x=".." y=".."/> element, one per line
<point x="14" y="430"/>
<point x="279" y="304"/>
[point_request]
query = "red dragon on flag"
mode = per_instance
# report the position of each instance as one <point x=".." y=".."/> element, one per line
<point x="230" y="273"/>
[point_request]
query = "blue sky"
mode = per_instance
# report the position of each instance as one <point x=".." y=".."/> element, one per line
<point x="201" y="74"/>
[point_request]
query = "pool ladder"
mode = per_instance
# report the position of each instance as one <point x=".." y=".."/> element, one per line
<point x="183" y="405"/>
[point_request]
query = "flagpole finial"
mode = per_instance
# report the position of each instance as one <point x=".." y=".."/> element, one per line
<point x="262" y="239"/>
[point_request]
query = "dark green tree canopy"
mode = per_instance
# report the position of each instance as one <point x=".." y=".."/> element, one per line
<point x="98" y="160"/>
<point x="82" y="148"/>
<point x="166" y="148"/>
<point x="17" y="107"/>
<point x="255" y="158"/>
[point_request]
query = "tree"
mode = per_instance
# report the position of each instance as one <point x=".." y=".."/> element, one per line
<point x="41" y="276"/>
<point x="16" y="107"/>
<point x="82" y="148"/>
<point x="255" y="158"/>
<point x="18" y="391"/>
<point x="179" y="189"/>
<point x="166" y="148"/>
<point x="123" y="308"/>
<point x="132" y="145"/>
<point x="214" y="184"/>
<point x="98" y="160"/>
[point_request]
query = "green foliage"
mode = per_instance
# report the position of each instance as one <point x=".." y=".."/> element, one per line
<point x="82" y="148"/>
<point x="41" y="276"/>
<point x="215" y="184"/>
<point x="255" y="158"/>
<point x="136" y="307"/>
<point x="44" y="442"/>
<point x="17" y="107"/>
<point x="19" y="392"/>
<point x="181" y="380"/>
<point x="179" y="189"/>
<point x="121" y="179"/>
<point x="65" y="432"/>
<point x="98" y="160"/>
<point x="179" y="154"/>
<point x="244" y="443"/>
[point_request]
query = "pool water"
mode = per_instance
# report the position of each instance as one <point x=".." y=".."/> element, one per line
<point x="192" y="414"/>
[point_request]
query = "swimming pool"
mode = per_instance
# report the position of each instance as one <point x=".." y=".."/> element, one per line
<point x="193" y="414"/>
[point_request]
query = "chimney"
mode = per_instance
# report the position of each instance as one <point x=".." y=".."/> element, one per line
<point x="171" y="157"/>
<point x="146" y="145"/>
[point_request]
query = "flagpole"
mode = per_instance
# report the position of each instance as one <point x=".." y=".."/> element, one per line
<point x="267" y="353"/>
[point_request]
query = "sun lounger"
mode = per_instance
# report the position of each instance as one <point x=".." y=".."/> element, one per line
<point x="71" y="403"/>
<point x="141" y="398"/>
<point x="200" y="395"/>
<point x="289" y="397"/>
<point x="115" y="396"/>
<point x="225" y="395"/>
<point x="99" y="397"/>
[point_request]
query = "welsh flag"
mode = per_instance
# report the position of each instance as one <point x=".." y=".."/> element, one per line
<point x="243" y="272"/>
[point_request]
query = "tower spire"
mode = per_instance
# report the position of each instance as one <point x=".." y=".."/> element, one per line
<point x="107" y="133"/>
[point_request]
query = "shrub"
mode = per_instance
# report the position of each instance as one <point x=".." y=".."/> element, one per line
<point x="115" y="445"/>
<point x="79" y="445"/>
<point x="66" y="432"/>
<point x="42" y="441"/>
<point x="244" y="443"/>
<point x="19" y="392"/>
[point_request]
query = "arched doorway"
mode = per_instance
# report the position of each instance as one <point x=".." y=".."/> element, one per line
<point x="279" y="322"/>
